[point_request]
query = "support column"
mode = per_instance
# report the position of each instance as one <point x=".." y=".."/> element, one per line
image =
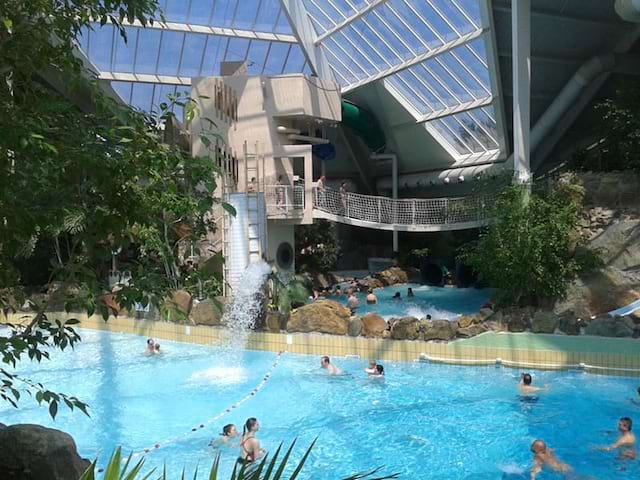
<point x="394" y="188"/>
<point x="521" y="43"/>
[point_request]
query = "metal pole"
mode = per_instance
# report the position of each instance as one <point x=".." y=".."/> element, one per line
<point x="521" y="44"/>
<point x="394" y="187"/>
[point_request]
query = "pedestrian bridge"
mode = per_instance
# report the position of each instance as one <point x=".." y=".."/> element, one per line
<point x="382" y="213"/>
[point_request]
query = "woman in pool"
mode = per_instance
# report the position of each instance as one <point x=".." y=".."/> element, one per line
<point x="250" y="449"/>
<point x="150" y="346"/>
<point x="229" y="432"/>
<point x="410" y="292"/>
<point x="396" y="296"/>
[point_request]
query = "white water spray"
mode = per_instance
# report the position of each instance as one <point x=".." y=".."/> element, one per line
<point x="242" y="311"/>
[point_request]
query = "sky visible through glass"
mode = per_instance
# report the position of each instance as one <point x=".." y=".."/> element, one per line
<point x="429" y="54"/>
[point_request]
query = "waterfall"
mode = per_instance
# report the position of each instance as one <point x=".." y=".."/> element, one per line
<point x="241" y="312"/>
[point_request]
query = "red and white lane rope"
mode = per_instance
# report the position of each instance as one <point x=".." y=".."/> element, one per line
<point x="224" y="412"/>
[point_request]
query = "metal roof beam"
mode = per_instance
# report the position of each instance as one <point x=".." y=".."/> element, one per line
<point x="219" y="31"/>
<point x="415" y="60"/>
<point x="348" y="20"/>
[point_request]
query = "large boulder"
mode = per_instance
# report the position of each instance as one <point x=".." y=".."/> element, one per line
<point x="179" y="305"/>
<point x="472" y="330"/>
<point x="600" y="292"/>
<point x="393" y="275"/>
<point x="465" y="321"/>
<point x="518" y="319"/>
<point x="33" y="452"/>
<point x="406" y="328"/>
<point x="569" y="324"/>
<point x="369" y="282"/>
<point x="355" y="327"/>
<point x="619" y="244"/>
<point x="323" y="316"/>
<point x="373" y="325"/>
<point x="496" y="322"/>
<point x="606" y="326"/>
<point x="544" y="322"/>
<point x="439" y="329"/>
<point x="206" y="312"/>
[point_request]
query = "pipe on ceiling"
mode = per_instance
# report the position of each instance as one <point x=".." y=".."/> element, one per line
<point x="444" y="177"/>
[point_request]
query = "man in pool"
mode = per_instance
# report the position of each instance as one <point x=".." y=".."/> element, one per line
<point x="150" y="346"/>
<point x="325" y="362"/>
<point x="525" y="387"/>
<point x="352" y="302"/>
<point x="626" y="443"/>
<point x="371" y="298"/>
<point x="544" y="457"/>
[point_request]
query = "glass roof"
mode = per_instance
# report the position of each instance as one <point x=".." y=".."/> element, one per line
<point x="428" y="54"/>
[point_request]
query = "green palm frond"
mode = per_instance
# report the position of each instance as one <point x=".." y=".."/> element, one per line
<point x="269" y="468"/>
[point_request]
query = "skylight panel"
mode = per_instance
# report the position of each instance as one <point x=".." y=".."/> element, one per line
<point x="170" y="51"/>
<point x="192" y="55"/>
<point x="237" y="49"/>
<point x="276" y="58"/>
<point x="176" y="10"/>
<point x="213" y="55"/>
<point x="125" y="52"/>
<point x="100" y="43"/>
<point x="147" y="51"/>
<point x="256" y="56"/>
<point x="295" y="61"/>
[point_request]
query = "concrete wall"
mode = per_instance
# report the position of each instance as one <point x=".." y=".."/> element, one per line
<point x="276" y="234"/>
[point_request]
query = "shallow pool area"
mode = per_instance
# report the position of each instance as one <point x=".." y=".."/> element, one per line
<point x="439" y="302"/>
<point x="423" y="420"/>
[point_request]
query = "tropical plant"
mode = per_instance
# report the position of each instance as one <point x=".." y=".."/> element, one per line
<point x="316" y="247"/>
<point x="268" y="469"/>
<point x="528" y="251"/>
<point x="87" y="184"/>
<point x="615" y="124"/>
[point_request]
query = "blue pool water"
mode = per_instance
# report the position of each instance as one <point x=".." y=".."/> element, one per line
<point x="439" y="302"/>
<point x="425" y="421"/>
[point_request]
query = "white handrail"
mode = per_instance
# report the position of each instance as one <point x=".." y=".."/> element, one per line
<point x="413" y="212"/>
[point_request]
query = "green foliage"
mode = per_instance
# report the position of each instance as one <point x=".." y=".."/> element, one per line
<point x="618" y="129"/>
<point x="317" y="246"/>
<point x="528" y="252"/>
<point x="88" y="183"/>
<point x="413" y="257"/>
<point x="267" y="469"/>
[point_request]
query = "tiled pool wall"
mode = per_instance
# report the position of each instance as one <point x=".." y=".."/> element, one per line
<point x="604" y="361"/>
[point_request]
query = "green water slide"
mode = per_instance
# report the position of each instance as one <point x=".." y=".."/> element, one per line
<point x="364" y="124"/>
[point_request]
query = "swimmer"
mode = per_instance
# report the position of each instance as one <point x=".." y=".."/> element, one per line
<point x="156" y="349"/>
<point x="396" y="296"/>
<point x="543" y="456"/>
<point x="379" y="371"/>
<point x="353" y="302"/>
<point x="325" y="362"/>
<point x="150" y="346"/>
<point x="338" y="291"/>
<point x="372" y="369"/>
<point x="636" y="400"/>
<point x="525" y="387"/>
<point x="626" y="443"/>
<point x="250" y="449"/>
<point x="410" y="293"/>
<point x="371" y="298"/>
<point x="229" y="432"/>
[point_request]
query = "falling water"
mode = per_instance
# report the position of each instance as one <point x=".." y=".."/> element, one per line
<point x="242" y="311"/>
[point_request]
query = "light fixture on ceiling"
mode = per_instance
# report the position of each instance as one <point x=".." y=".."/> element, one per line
<point x="461" y="178"/>
<point x="446" y="181"/>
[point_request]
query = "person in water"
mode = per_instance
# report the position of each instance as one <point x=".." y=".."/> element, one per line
<point x="525" y="387"/>
<point x="229" y="432"/>
<point x="637" y="400"/>
<point x="325" y="362"/>
<point x="379" y="371"/>
<point x="150" y="346"/>
<point x="250" y="450"/>
<point x="338" y="291"/>
<point x="626" y="443"/>
<point x="156" y="349"/>
<point x="353" y="302"/>
<point x="544" y="457"/>
<point x="410" y="293"/>
<point x="372" y="369"/>
<point x="371" y="298"/>
<point x="396" y="296"/>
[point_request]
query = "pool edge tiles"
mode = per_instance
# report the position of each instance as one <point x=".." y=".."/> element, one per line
<point x="600" y="355"/>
